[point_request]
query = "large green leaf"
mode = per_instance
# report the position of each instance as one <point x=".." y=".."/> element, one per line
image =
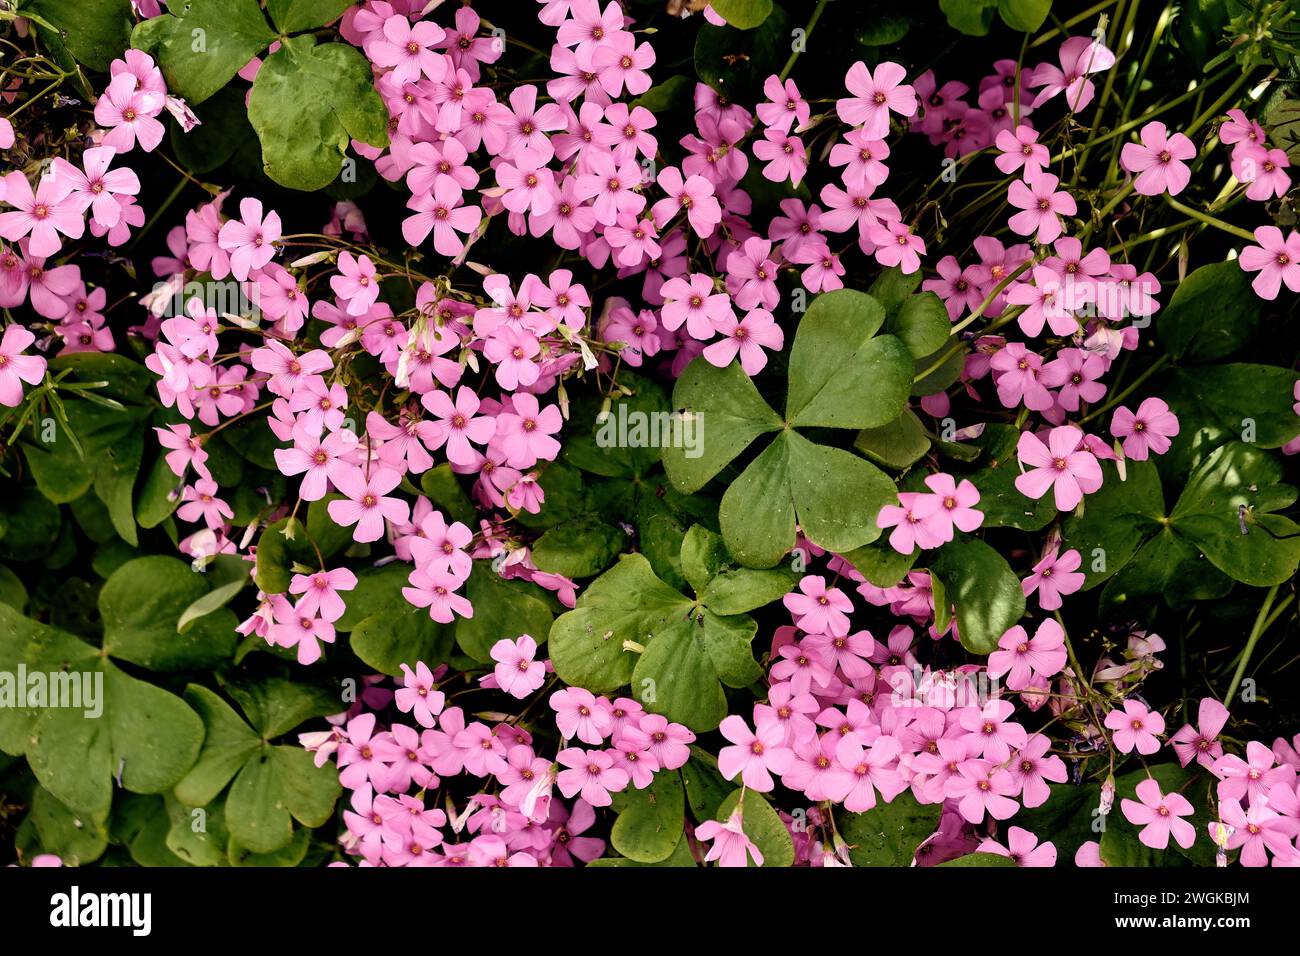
<point x="984" y="590"/>
<point x="273" y="785"/>
<point x="1237" y="487"/>
<point x="202" y="44"/>
<point x="1211" y="315"/>
<point x="889" y="834"/>
<point x="388" y="639"/>
<point x="834" y="496"/>
<point x="94" y="32"/>
<point x="729" y="413"/>
<point x="843" y="375"/>
<point x="308" y="103"/>
<point x="502" y="609"/>
<point x="629" y="626"/>
<point x="142" y="603"/>
<point x="294" y="15"/>
<point x="650" y="821"/>
<point x="743" y="14"/>
<point x="143" y="736"/>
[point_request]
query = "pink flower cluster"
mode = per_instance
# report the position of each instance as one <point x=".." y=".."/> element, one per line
<point x="55" y="210"/>
<point x="517" y="819"/>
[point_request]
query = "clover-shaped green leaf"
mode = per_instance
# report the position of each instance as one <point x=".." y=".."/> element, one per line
<point x="1225" y="516"/>
<point x="843" y="374"/>
<point x="677" y="653"/>
<point x="272" y="784"/>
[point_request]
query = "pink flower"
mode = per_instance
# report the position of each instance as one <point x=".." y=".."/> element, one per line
<point x="755" y="757"/>
<point x="435" y="590"/>
<point x="295" y="628"/>
<point x="441" y="213"/>
<point x="1258" y="832"/>
<point x="748" y="337"/>
<point x="692" y="195"/>
<point x="1268" y="178"/>
<point x="367" y="503"/>
<point x="1078" y="57"/>
<point x="1276" y="260"/>
<point x="1052" y="577"/>
<point x="1135" y="728"/>
<point x="1025" y="849"/>
<point x="691" y="299"/>
<point x="356" y="284"/>
<point x="97" y="188"/>
<point x="516" y="672"/>
<point x="1021" y="148"/>
<point x="868" y="770"/>
<point x="417" y="696"/>
<point x="319" y="459"/>
<point x="990" y="732"/>
<point x="1061" y="464"/>
<point x="1252" y="777"/>
<point x="669" y="742"/>
<point x="16" y="368"/>
<point x="784" y="106"/>
<point x="408" y="49"/>
<point x="1201" y="742"/>
<point x="1021" y="657"/>
<point x="1042" y="205"/>
<point x="818" y="609"/>
<point x="731" y="847"/>
<point x="1031" y="767"/>
<point x="1148" y="431"/>
<point x="785" y="156"/>
<point x="874" y="96"/>
<point x="1158" y="161"/>
<point x="979" y="788"/>
<point x="200" y="500"/>
<point x="579" y="714"/>
<point x="128" y="112"/>
<point x="441" y="547"/>
<point x="250" y="242"/>
<point x="590" y="773"/>
<point x="1159" y="816"/>
<point x="321" y="592"/>
<point x="915" y="520"/>
<point x="897" y="246"/>
<point x="458" y="425"/>
<point x="186" y="448"/>
<point x="956" y="505"/>
<point x="525" y="435"/>
<point x="51" y="210"/>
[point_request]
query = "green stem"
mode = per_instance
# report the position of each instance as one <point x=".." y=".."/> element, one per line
<point x="1151" y="369"/>
<point x="1256" y="633"/>
<point x="1210" y="220"/>
<point x="807" y="35"/>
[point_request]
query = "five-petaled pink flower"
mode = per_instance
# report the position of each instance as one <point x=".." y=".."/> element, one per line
<point x="1135" y="728"/>
<point x="1159" y="815"/>
<point x="1146" y="431"/>
<point x="1062" y="464"/>
<point x="1158" y="160"/>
